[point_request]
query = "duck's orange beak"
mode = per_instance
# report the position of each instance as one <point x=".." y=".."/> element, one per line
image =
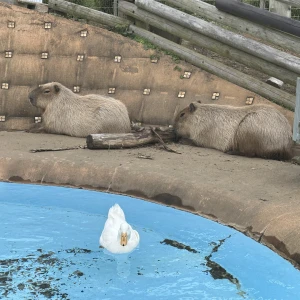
<point x="123" y="239"/>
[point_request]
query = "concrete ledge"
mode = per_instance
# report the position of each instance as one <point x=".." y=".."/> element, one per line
<point x="258" y="197"/>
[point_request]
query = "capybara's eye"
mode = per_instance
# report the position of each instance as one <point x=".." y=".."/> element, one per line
<point x="181" y="115"/>
<point x="46" y="91"/>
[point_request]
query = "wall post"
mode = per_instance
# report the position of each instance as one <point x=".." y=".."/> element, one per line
<point x="280" y="8"/>
<point x="296" y="129"/>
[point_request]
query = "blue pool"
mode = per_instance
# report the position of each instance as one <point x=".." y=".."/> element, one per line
<point x="49" y="249"/>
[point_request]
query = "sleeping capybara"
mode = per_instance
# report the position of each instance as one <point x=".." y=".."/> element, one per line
<point x="258" y="130"/>
<point x="65" y="112"/>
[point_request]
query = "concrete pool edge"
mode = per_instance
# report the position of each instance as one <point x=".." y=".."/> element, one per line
<point x="169" y="190"/>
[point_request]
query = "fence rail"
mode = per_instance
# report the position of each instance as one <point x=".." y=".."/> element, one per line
<point x="245" y="45"/>
<point x="250" y="52"/>
<point x="243" y="26"/>
<point x="277" y="20"/>
<point x="219" y="69"/>
<point x="88" y="13"/>
<point x="208" y="43"/>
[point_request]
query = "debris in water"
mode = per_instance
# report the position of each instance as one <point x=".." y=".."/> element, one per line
<point x="38" y="268"/>
<point x="217" y="271"/>
<point x="178" y="245"/>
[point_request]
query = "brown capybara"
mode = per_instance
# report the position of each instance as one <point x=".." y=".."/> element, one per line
<point x="65" y="112"/>
<point x="257" y="130"/>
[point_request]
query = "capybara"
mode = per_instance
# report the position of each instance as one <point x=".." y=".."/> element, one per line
<point x="258" y="130"/>
<point x="65" y="112"/>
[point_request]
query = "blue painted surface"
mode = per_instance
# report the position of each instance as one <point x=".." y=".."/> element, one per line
<point x="49" y="250"/>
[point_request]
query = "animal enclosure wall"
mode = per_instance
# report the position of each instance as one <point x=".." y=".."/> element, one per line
<point x="37" y="48"/>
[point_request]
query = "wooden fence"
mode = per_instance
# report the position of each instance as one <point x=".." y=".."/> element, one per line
<point x="263" y="48"/>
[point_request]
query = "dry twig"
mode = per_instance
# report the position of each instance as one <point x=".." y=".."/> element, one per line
<point x="162" y="142"/>
<point x="56" y="149"/>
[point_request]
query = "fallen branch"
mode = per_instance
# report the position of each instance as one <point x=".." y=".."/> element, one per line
<point x="56" y="149"/>
<point x="162" y="142"/>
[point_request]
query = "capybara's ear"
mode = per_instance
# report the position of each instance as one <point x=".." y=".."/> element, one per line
<point x="56" y="88"/>
<point x="199" y="101"/>
<point x="192" y="107"/>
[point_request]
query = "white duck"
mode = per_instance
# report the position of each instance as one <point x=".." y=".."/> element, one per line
<point x="117" y="235"/>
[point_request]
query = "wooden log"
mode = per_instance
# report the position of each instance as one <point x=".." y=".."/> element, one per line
<point x="240" y="42"/>
<point x="260" y="16"/>
<point x="263" y="33"/>
<point x="118" y="141"/>
<point x="87" y="13"/>
<point x="251" y="61"/>
<point x="219" y="69"/>
<point x="129" y="140"/>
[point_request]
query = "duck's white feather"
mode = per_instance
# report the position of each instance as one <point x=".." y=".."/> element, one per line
<point x="109" y="238"/>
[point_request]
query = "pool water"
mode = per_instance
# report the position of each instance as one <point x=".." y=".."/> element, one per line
<point x="49" y="249"/>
